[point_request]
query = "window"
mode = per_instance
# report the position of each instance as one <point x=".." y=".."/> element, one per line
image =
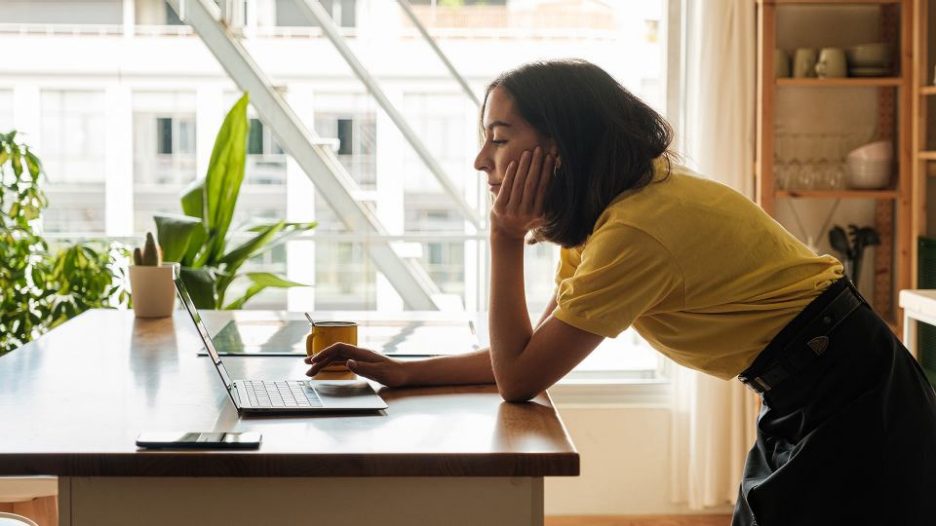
<point x="163" y="153"/>
<point x="345" y="137"/>
<point x="72" y="138"/>
<point x="177" y="105"/>
<point x="352" y="121"/>
<point x="342" y="11"/>
<point x="60" y="12"/>
<point x="266" y="162"/>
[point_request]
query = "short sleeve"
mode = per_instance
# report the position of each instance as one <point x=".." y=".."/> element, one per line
<point x="623" y="274"/>
<point x="569" y="259"/>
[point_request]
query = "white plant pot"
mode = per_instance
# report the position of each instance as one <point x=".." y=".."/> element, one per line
<point x="153" y="290"/>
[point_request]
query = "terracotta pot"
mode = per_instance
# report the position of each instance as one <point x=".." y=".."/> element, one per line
<point x="153" y="290"/>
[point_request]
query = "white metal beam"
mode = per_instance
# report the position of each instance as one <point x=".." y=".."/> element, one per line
<point x="314" y="9"/>
<point x="316" y="160"/>
<point x="408" y="9"/>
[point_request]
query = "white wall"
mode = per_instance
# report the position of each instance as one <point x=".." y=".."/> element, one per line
<point x="625" y="463"/>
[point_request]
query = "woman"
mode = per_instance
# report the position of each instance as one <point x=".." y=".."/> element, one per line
<point x="847" y="434"/>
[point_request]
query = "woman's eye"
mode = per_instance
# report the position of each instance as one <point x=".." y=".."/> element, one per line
<point x="498" y="142"/>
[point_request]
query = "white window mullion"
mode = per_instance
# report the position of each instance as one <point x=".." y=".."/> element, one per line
<point x="26" y="118"/>
<point x="118" y="161"/>
<point x="300" y="206"/>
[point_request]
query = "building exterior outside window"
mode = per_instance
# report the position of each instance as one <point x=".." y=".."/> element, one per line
<point x="73" y="149"/>
<point x="164" y="145"/>
<point x="128" y="131"/>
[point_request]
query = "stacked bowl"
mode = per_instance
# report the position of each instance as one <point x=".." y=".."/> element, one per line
<point x="869" y="60"/>
<point x="869" y="166"/>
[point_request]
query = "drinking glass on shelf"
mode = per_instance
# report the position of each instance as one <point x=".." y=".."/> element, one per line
<point x="781" y="162"/>
<point x="794" y="166"/>
<point x="830" y="174"/>
<point x="805" y="173"/>
<point x="837" y="168"/>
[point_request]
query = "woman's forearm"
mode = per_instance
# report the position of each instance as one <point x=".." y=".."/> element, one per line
<point x="509" y="322"/>
<point x="469" y="368"/>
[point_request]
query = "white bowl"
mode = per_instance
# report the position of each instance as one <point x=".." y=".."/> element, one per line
<point x="867" y="174"/>
<point x="879" y="151"/>
<point x="875" y="54"/>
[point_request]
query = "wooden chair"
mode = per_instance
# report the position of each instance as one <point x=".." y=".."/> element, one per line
<point x="11" y="519"/>
<point x="32" y="497"/>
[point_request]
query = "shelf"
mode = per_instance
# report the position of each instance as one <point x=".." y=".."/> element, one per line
<point x="827" y="2"/>
<point x="928" y="90"/>
<point x="847" y="82"/>
<point x="880" y="195"/>
<point x="926" y="156"/>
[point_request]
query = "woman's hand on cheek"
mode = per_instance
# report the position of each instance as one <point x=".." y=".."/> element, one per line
<point x="518" y="206"/>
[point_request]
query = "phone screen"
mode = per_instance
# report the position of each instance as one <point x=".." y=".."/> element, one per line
<point x="193" y="439"/>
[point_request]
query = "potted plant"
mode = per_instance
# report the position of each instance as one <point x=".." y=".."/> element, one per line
<point x="199" y="240"/>
<point x="42" y="286"/>
<point x="151" y="281"/>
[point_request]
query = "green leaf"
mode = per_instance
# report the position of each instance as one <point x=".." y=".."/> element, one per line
<point x="290" y="231"/>
<point x="200" y="283"/>
<point x="193" y="199"/>
<point x="174" y="233"/>
<point x="17" y="164"/>
<point x="225" y="175"/>
<point x="235" y="258"/>
<point x="287" y="226"/>
<point x="261" y="280"/>
<point x="33" y="164"/>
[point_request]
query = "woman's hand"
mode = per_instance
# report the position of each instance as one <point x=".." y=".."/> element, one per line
<point x="518" y="206"/>
<point x="369" y="364"/>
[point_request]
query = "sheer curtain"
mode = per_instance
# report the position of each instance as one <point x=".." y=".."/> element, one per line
<point x="713" y="420"/>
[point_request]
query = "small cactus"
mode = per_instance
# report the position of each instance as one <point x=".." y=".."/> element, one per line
<point x="150" y="256"/>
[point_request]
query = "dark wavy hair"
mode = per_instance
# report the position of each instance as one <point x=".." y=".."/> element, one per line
<point x="607" y="140"/>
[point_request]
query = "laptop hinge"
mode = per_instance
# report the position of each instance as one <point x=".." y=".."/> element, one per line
<point x="235" y="395"/>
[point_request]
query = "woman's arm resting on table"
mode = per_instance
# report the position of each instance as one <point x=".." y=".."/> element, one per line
<point x="525" y="361"/>
<point x="468" y="368"/>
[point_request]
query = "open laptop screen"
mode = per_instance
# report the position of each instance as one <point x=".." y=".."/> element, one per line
<point x="200" y="326"/>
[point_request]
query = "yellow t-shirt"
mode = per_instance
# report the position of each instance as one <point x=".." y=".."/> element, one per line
<point x="702" y="273"/>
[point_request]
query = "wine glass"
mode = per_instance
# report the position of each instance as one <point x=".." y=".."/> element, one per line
<point x="805" y="171"/>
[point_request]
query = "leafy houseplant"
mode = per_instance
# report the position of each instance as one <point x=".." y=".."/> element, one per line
<point x="199" y="239"/>
<point x="151" y="281"/>
<point x="39" y="291"/>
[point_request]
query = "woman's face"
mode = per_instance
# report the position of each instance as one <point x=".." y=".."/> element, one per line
<point x="506" y="136"/>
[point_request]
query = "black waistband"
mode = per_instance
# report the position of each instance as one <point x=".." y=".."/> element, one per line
<point x="803" y="339"/>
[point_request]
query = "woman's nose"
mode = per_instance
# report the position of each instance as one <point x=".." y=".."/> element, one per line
<point x="482" y="163"/>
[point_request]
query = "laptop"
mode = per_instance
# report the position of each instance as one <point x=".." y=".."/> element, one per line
<point x="285" y="396"/>
<point x="283" y="334"/>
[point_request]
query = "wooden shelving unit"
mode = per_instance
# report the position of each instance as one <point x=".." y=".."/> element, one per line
<point x="894" y="217"/>
<point x="852" y="82"/>
<point x="878" y="195"/>
<point x="923" y="89"/>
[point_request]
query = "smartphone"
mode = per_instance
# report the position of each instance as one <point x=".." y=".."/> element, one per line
<point x="199" y="440"/>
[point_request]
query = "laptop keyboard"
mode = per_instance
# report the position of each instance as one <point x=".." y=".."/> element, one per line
<point x="281" y="394"/>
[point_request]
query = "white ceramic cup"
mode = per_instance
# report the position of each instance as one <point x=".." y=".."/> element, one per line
<point x="153" y="290"/>
<point x="832" y="63"/>
<point x="804" y="62"/>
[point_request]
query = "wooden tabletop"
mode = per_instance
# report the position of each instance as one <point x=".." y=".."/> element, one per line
<point x="73" y="402"/>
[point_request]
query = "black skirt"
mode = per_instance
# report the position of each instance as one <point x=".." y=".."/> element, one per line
<point x="848" y="437"/>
